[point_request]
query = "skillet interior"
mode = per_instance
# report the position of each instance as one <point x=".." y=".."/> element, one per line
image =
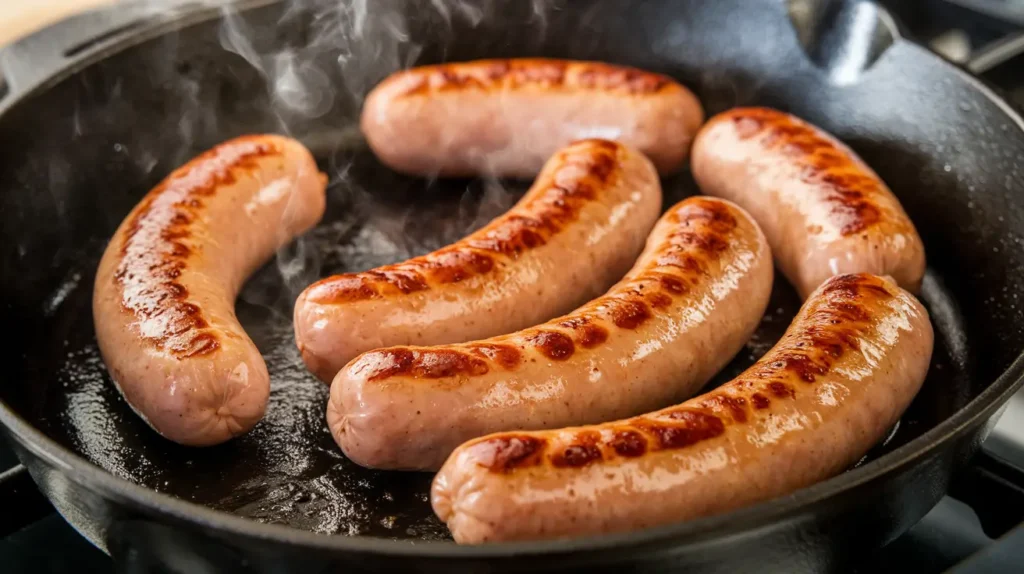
<point x="76" y="157"/>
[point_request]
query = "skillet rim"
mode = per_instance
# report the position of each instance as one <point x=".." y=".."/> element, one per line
<point x="738" y="523"/>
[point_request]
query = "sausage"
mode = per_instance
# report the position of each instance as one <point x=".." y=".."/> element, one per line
<point x="824" y="211"/>
<point x="163" y="300"/>
<point x="837" y="381"/>
<point x="506" y="117"/>
<point x="574" y="234"/>
<point x="693" y="299"/>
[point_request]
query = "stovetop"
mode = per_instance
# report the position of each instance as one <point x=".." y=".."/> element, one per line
<point x="979" y="527"/>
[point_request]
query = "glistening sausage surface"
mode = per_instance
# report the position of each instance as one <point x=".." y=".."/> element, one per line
<point x="837" y="381"/>
<point x="690" y="303"/>
<point x="506" y="117"/>
<point x="574" y="234"/>
<point x="824" y="211"/>
<point x="163" y="303"/>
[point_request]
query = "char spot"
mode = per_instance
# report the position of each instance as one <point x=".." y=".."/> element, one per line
<point x="582" y="452"/>
<point x="603" y="165"/>
<point x="759" y="401"/>
<point x="200" y="344"/>
<point x="588" y="335"/>
<point x="859" y="216"/>
<point x="781" y="390"/>
<point x="851" y="312"/>
<point x="514" y="235"/>
<point x="384" y="363"/>
<point x="404" y="280"/>
<point x="804" y="367"/>
<point x="506" y="453"/>
<point x="553" y="345"/>
<point x="629" y="80"/>
<point x="179" y="249"/>
<point x="713" y="214"/>
<point x="785" y="133"/>
<point x="629" y="443"/>
<point x="548" y="73"/>
<point x="658" y="300"/>
<point x="708" y="242"/>
<point x="574" y="188"/>
<point x="438" y="363"/>
<point x="690" y="427"/>
<point x="747" y="126"/>
<point x="628" y="313"/>
<point x="425" y="364"/>
<point x="850" y="286"/>
<point x="737" y="406"/>
<point x="506" y="356"/>
<point x="342" y="289"/>
<point x="679" y="258"/>
<point x="673" y="285"/>
<point x="829" y="159"/>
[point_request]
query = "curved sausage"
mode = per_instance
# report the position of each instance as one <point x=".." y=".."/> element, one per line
<point x="837" y="381"/>
<point x="683" y="311"/>
<point x="824" y="211"/>
<point x="163" y="302"/>
<point x="576" y="232"/>
<point x="506" y="117"/>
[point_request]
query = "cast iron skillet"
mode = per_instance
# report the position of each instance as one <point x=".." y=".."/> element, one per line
<point x="86" y="132"/>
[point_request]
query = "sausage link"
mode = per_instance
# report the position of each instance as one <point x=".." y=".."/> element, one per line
<point x="824" y="211"/>
<point x="689" y="304"/>
<point x="837" y="381"/>
<point x="506" y="117"/>
<point x="576" y="232"/>
<point x="164" y="293"/>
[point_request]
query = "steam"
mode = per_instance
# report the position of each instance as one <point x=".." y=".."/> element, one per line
<point x="360" y="41"/>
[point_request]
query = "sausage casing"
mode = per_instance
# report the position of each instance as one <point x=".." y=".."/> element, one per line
<point x="507" y="117"/>
<point x="689" y="304"/>
<point x="574" y="234"/>
<point x="163" y="302"/>
<point x="832" y="387"/>
<point x="824" y="211"/>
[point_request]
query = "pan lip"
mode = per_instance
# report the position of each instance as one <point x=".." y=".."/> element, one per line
<point x="739" y="523"/>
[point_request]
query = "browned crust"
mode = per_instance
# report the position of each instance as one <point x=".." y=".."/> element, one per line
<point x="830" y="326"/>
<point x="853" y="189"/>
<point x="552" y="204"/>
<point x="154" y="247"/>
<point x="549" y="74"/>
<point x="702" y="231"/>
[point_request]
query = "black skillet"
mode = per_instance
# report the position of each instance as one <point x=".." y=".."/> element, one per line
<point x="91" y="123"/>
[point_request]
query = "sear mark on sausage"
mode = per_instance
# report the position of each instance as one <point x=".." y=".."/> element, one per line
<point x="155" y="252"/>
<point x="805" y="353"/>
<point x="555" y="201"/>
<point x="851" y="188"/>
<point x="500" y="75"/>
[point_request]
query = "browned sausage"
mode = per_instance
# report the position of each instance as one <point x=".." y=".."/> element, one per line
<point x="824" y="211"/>
<point x="576" y="232"/>
<point x="506" y="117"/>
<point x="164" y="294"/>
<point x="836" y="382"/>
<point x="686" y="308"/>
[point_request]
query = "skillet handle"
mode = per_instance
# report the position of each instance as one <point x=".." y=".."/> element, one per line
<point x="33" y="59"/>
<point x="21" y="503"/>
<point x="994" y="489"/>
